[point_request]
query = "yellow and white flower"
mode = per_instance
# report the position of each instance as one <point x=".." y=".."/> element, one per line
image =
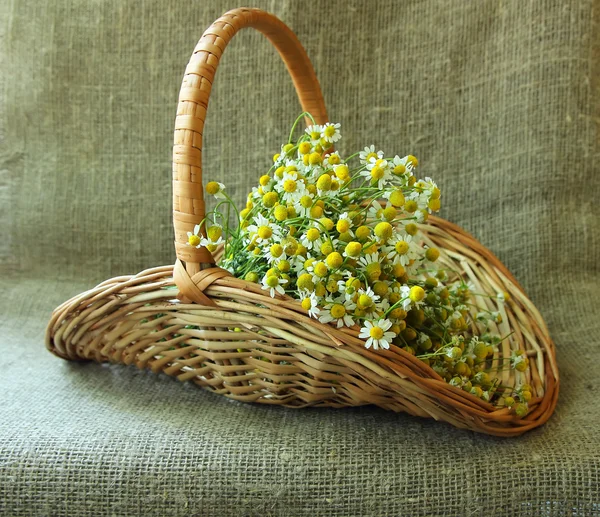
<point x="377" y="334"/>
<point x="330" y="133"/>
<point x="273" y="284"/>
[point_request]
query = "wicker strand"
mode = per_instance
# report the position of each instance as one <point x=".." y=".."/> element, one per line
<point x="188" y="198"/>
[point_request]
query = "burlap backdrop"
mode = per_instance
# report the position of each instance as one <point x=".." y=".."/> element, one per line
<point x="500" y="102"/>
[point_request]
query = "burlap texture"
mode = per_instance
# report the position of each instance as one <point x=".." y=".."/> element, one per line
<point x="498" y="99"/>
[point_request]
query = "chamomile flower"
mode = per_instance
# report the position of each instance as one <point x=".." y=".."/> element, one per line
<point x="366" y="298"/>
<point x="377" y="334"/>
<point x="314" y="133"/>
<point x="375" y="212"/>
<point x="312" y="239"/>
<point x="216" y="189"/>
<point x="194" y="238"/>
<point x="310" y="303"/>
<point x="331" y="132"/>
<point x="273" y="284"/>
<point x="337" y="311"/>
<point x="368" y="153"/>
<point x="263" y="229"/>
<point x="402" y="248"/>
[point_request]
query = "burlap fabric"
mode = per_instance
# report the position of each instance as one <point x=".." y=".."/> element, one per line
<point x="500" y="102"/>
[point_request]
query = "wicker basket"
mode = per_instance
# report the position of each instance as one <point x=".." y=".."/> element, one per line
<point x="196" y="322"/>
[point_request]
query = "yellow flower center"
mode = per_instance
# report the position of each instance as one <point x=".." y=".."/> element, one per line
<point x="369" y="156"/>
<point x="417" y="293"/>
<point x="194" y="240"/>
<point x="316" y="212"/>
<point x="315" y="159"/>
<point x="401" y="247"/>
<point x="363" y="232"/>
<point x="315" y="135"/>
<point x="306" y="201"/>
<point x="329" y="131"/>
<point x="264" y="180"/>
<point x="434" y="204"/>
<point x="327" y="223"/>
<point x="413" y="160"/>
<point x="397" y="198"/>
<point x="342" y="172"/>
<point x="377" y="172"/>
<point x="305" y="282"/>
<point x="373" y="271"/>
<point x="353" y="249"/>
<point x="324" y="182"/>
<point x="214" y="233"/>
<point x="334" y="260"/>
<point x="269" y="199"/>
<point x="411" y="229"/>
<point x="326" y="248"/>
<point x="343" y="225"/>
<point x="333" y="159"/>
<point x="276" y="250"/>
<point x="264" y="232"/>
<point x="432" y="254"/>
<point x="283" y="266"/>
<point x="376" y="333"/>
<point x="289" y="185"/>
<point x="312" y="234"/>
<point x="399" y="170"/>
<point x="338" y="311"/>
<point x="212" y="187"/>
<point x="304" y="148"/>
<point x="306" y="304"/>
<point x="411" y="206"/>
<point x="280" y="213"/>
<point x="364" y="300"/>
<point x="320" y="269"/>
<point x="384" y="230"/>
<point x="272" y="281"/>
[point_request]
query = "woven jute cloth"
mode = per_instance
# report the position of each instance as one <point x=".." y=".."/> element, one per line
<point x="500" y="101"/>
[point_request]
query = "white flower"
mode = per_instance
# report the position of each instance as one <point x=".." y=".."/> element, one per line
<point x="402" y="248"/>
<point x="194" y="239"/>
<point x="369" y="153"/>
<point x="271" y="258"/>
<point x="327" y="160"/>
<point x="273" y="284"/>
<point x="330" y="132"/>
<point x="405" y="297"/>
<point x="220" y="194"/>
<point x="314" y="132"/>
<point x="404" y="162"/>
<point x="346" y="289"/>
<point x="368" y="298"/>
<point x="260" y="230"/>
<point x="205" y="241"/>
<point x="370" y="258"/>
<point x="291" y="187"/>
<point x="336" y="311"/>
<point x="375" y="212"/>
<point x="302" y="210"/>
<point x="376" y="333"/>
<point x="311" y="244"/>
<point x="310" y="303"/>
<point x="377" y="171"/>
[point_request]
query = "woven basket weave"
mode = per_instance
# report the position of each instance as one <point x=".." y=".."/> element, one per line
<point x="196" y="322"/>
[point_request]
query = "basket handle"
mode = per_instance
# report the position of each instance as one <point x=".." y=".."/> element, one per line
<point x="188" y="198"/>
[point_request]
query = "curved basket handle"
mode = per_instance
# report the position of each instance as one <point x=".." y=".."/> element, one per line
<point x="188" y="199"/>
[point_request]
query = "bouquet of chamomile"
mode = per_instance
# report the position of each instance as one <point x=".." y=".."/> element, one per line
<point x="343" y="236"/>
